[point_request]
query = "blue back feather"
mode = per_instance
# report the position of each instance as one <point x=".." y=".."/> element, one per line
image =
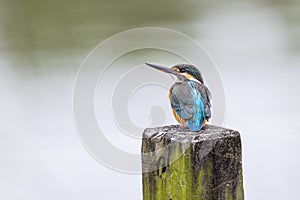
<point x="198" y="108"/>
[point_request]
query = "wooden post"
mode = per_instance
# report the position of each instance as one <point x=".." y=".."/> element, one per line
<point x="182" y="165"/>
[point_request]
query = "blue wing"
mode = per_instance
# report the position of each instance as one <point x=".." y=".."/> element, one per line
<point x="190" y="100"/>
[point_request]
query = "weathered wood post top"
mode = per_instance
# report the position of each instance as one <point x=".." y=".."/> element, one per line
<point x="182" y="165"/>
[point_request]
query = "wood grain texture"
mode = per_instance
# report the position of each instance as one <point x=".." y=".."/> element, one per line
<point x="182" y="165"/>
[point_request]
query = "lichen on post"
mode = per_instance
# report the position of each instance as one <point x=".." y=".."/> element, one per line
<point x="182" y="165"/>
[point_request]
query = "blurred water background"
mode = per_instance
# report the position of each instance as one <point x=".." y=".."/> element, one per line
<point x="255" y="45"/>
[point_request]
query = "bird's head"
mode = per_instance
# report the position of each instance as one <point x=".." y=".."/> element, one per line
<point x="182" y="71"/>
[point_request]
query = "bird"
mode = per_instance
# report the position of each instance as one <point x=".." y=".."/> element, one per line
<point x="190" y="99"/>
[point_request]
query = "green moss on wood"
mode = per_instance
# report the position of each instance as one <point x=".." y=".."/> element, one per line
<point x="183" y="165"/>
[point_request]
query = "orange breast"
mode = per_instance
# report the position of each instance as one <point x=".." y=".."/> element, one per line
<point x="181" y="121"/>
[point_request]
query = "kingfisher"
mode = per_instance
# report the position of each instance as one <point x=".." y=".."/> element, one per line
<point x="189" y="97"/>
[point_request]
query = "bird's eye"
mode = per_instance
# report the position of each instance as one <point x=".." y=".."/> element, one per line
<point x="182" y="70"/>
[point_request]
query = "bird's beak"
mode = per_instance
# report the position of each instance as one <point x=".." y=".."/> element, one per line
<point x="162" y="68"/>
